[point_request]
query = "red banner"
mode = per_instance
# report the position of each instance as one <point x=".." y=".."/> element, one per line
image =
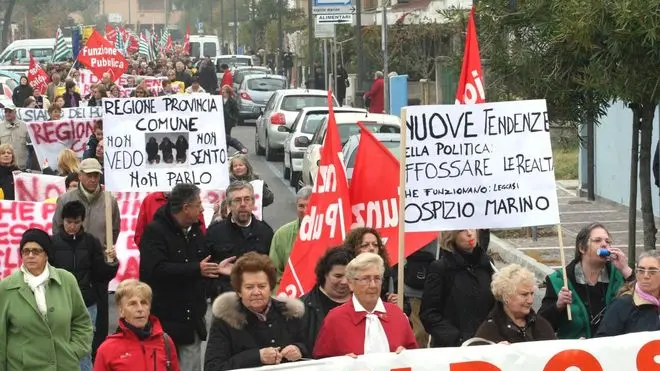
<point x="471" y="83"/>
<point x="186" y="41"/>
<point x="110" y="33"/>
<point x="326" y="219"/>
<point x="375" y="196"/>
<point x="100" y="56"/>
<point x="37" y="77"/>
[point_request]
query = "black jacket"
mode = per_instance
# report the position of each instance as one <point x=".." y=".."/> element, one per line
<point x="20" y="94"/>
<point x="314" y="315"/>
<point x="82" y="255"/>
<point x="69" y="104"/>
<point x="169" y="263"/>
<point x="231" y="114"/>
<point x="629" y="314"/>
<point x="457" y="297"/>
<point x="237" y="334"/>
<point x="92" y="143"/>
<point x="7" y="181"/>
<point x="226" y="239"/>
<point x="499" y="327"/>
<point x="208" y="79"/>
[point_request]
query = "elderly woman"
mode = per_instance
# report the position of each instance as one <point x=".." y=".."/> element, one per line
<point x="513" y="320"/>
<point x="241" y="169"/>
<point x="364" y="239"/>
<point x="636" y="309"/>
<point x="331" y="290"/>
<point x="140" y="339"/>
<point x="365" y="324"/>
<point x="457" y="298"/>
<point x="44" y="324"/>
<point x="251" y="328"/>
<point x="595" y="276"/>
<point x="7" y="169"/>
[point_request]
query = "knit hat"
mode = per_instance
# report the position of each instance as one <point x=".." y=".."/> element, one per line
<point x="37" y="235"/>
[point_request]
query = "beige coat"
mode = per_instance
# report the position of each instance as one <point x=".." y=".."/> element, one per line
<point x="16" y="134"/>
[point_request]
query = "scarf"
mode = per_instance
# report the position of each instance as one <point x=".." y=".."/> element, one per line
<point x="141" y="333"/>
<point x="646" y="296"/>
<point x="38" y="286"/>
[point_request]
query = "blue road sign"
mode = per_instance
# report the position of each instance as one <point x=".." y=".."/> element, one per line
<point x="326" y="3"/>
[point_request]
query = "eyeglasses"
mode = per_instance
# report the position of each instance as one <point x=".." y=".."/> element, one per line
<point x="643" y="271"/>
<point x="367" y="280"/>
<point x="35" y="252"/>
<point x="370" y="244"/>
<point x="239" y="200"/>
<point x="599" y="241"/>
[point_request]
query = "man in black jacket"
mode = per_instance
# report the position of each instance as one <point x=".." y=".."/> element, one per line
<point x="241" y="232"/>
<point x="174" y="262"/>
<point x="82" y="254"/>
<point x="331" y="290"/>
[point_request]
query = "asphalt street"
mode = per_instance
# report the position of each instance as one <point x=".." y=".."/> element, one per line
<point x="282" y="211"/>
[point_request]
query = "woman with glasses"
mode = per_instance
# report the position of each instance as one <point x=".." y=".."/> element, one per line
<point x="457" y="297"/>
<point x="594" y="277"/>
<point x="636" y="308"/>
<point x="362" y="240"/>
<point x="364" y="324"/>
<point x="44" y="324"/>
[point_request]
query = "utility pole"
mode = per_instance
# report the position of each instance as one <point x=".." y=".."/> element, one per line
<point x="386" y="78"/>
<point x="280" y="35"/>
<point x="310" y="43"/>
<point x="253" y="11"/>
<point x="235" y="28"/>
<point x="222" y="26"/>
<point x="360" y="49"/>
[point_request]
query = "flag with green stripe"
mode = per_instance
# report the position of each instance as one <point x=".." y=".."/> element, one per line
<point x="61" y="50"/>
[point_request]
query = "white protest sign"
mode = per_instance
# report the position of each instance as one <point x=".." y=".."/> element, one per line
<point x="49" y="138"/>
<point x="152" y="144"/>
<point x="39" y="115"/>
<point x="479" y="166"/>
<point x="632" y="352"/>
<point x="37" y="187"/>
<point x="87" y="79"/>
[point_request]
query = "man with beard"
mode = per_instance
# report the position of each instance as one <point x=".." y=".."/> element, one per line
<point x="331" y="290"/>
<point x="240" y="233"/>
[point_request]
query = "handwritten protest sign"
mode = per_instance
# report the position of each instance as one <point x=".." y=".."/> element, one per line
<point x="479" y="166"/>
<point x="36" y="114"/>
<point x="153" y="84"/>
<point x="37" y="187"/>
<point x="152" y="144"/>
<point x="49" y="138"/>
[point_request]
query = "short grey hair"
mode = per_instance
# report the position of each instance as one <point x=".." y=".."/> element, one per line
<point x="507" y="280"/>
<point x="304" y="193"/>
<point x="649" y="254"/>
<point x="182" y="194"/>
<point x="239" y="185"/>
<point x="378" y="74"/>
<point x="362" y="262"/>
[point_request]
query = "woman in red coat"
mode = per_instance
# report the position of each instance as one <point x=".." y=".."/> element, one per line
<point x="140" y="344"/>
<point x="365" y="324"/>
<point x="377" y="94"/>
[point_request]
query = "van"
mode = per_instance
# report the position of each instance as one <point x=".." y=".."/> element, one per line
<point x="204" y="46"/>
<point x="41" y="49"/>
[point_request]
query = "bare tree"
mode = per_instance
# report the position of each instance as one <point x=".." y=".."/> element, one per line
<point x="6" y="27"/>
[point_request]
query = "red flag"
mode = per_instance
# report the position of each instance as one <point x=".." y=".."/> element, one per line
<point x="37" y="77"/>
<point x="100" y="56"/>
<point x="375" y="196"/>
<point x="110" y="33"/>
<point x="132" y="42"/>
<point x="326" y="219"/>
<point x="471" y="83"/>
<point x="170" y="43"/>
<point x="186" y="42"/>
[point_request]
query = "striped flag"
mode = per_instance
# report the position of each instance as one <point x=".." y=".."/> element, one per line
<point x="61" y="51"/>
<point x="119" y="43"/>
<point x="145" y="48"/>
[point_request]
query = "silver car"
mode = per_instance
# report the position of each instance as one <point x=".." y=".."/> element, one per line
<point x="254" y="92"/>
<point x="280" y="112"/>
<point x="240" y="73"/>
<point x="390" y="141"/>
<point x="300" y="135"/>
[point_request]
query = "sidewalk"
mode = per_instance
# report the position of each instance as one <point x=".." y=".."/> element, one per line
<point x="575" y="212"/>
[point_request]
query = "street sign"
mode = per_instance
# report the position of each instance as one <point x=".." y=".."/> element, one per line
<point x="324" y="31"/>
<point x="333" y="7"/>
<point x="114" y="18"/>
<point x="334" y="19"/>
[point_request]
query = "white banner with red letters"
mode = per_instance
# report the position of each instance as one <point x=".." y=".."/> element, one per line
<point x="30" y="212"/>
<point x="153" y="84"/>
<point x="633" y="352"/>
<point x="40" y="115"/>
<point x="50" y="138"/>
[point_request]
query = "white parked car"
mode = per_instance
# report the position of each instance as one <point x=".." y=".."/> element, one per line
<point x="390" y="141"/>
<point x="347" y="126"/>
<point x="281" y="110"/>
<point x="300" y="135"/>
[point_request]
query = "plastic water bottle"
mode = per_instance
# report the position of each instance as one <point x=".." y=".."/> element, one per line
<point x="603" y="253"/>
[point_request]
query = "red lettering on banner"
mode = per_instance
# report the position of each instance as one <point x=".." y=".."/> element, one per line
<point x="74" y="132"/>
<point x="11" y="232"/>
<point x="646" y="356"/>
<point x="47" y="211"/>
<point x="16" y="211"/>
<point x="402" y="369"/>
<point x="474" y="366"/>
<point x="10" y="259"/>
<point x="581" y="359"/>
<point x="29" y="190"/>
<point x="130" y="270"/>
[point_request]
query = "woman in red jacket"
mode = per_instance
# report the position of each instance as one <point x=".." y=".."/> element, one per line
<point x="365" y="324"/>
<point x="376" y="94"/>
<point x="140" y="344"/>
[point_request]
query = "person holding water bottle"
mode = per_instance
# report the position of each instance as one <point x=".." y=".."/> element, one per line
<point x="594" y="277"/>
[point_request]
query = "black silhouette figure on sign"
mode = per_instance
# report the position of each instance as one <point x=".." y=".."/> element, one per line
<point x="166" y="146"/>
<point x="152" y="151"/>
<point x="181" y="148"/>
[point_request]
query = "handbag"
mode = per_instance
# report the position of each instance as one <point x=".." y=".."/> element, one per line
<point x="168" y="352"/>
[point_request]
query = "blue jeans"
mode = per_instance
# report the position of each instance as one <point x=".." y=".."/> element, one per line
<point x="86" y="363"/>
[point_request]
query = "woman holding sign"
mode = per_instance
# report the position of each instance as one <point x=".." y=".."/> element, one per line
<point x="594" y="277"/>
<point x="241" y="169"/>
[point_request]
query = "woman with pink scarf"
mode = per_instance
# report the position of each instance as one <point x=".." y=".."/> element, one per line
<point x="637" y="307"/>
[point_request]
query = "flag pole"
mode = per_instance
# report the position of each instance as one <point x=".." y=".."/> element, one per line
<point x="401" y="261"/>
